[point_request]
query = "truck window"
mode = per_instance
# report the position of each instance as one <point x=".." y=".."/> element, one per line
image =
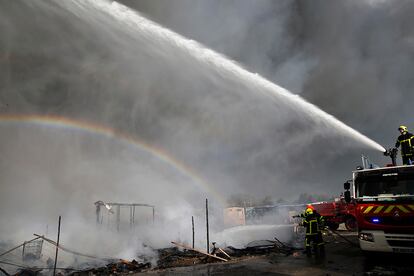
<point x="384" y="185"/>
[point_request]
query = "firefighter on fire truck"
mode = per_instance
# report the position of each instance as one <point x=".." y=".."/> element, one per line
<point x="406" y="140"/>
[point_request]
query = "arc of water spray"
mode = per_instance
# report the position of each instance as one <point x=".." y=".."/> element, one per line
<point x="225" y="66"/>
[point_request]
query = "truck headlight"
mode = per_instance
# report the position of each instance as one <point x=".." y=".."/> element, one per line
<point x="366" y="237"/>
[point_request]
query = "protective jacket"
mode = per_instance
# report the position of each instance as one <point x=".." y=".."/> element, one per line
<point x="313" y="223"/>
<point x="407" y="143"/>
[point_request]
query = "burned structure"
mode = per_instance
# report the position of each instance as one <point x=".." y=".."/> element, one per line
<point x="114" y="209"/>
<point x="271" y="214"/>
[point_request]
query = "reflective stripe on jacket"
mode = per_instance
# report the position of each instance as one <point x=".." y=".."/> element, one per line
<point x="313" y="223"/>
<point x="407" y="143"/>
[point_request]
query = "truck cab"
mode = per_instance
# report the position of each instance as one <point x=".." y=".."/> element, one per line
<point x="384" y="199"/>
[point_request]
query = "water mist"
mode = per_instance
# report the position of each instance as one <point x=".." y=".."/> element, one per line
<point x="140" y="26"/>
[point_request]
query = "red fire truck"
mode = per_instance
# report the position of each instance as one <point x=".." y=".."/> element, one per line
<point x="337" y="212"/>
<point x="384" y="207"/>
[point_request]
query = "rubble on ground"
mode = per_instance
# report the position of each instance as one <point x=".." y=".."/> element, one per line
<point x="120" y="267"/>
<point x="186" y="256"/>
<point x="174" y="257"/>
<point x="179" y="255"/>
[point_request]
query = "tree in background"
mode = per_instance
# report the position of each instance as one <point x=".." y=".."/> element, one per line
<point x="308" y="198"/>
<point x="245" y="200"/>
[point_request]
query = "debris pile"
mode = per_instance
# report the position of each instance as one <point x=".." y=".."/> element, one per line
<point x="177" y="256"/>
<point x="173" y="257"/>
<point x="262" y="247"/>
<point x="28" y="272"/>
<point x="121" y="267"/>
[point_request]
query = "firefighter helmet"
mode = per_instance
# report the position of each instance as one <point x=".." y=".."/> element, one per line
<point x="309" y="211"/>
<point x="403" y="128"/>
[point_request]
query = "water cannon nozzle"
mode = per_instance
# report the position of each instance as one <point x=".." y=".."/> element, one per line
<point x="392" y="152"/>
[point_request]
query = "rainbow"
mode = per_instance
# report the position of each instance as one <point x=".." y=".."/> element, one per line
<point x="92" y="128"/>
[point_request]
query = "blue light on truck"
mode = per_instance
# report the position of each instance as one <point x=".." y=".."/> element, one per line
<point x="375" y="220"/>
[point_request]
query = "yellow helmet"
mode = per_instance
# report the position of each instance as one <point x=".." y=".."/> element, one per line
<point x="403" y="128"/>
<point x="309" y="211"/>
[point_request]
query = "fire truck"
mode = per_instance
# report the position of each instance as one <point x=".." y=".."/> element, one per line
<point x="384" y="207"/>
<point x="337" y="212"/>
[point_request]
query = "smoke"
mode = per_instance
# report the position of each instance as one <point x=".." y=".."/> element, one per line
<point x="49" y="172"/>
<point x="349" y="58"/>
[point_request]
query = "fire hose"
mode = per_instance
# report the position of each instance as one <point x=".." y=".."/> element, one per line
<point x="343" y="237"/>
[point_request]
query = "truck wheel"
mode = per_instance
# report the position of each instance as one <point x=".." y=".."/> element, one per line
<point x="333" y="226"/>
<point x="351" y="224"/>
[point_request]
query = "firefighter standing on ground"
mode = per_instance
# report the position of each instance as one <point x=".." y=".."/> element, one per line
<point x="406" y="140"/>
<point x="313" y="222"/>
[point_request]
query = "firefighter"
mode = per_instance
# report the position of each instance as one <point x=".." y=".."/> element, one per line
<point x="314" y="223"/>
<point x="407" y="145"/>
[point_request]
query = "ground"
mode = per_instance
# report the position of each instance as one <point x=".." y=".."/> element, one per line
<point x="342" y="258"/>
